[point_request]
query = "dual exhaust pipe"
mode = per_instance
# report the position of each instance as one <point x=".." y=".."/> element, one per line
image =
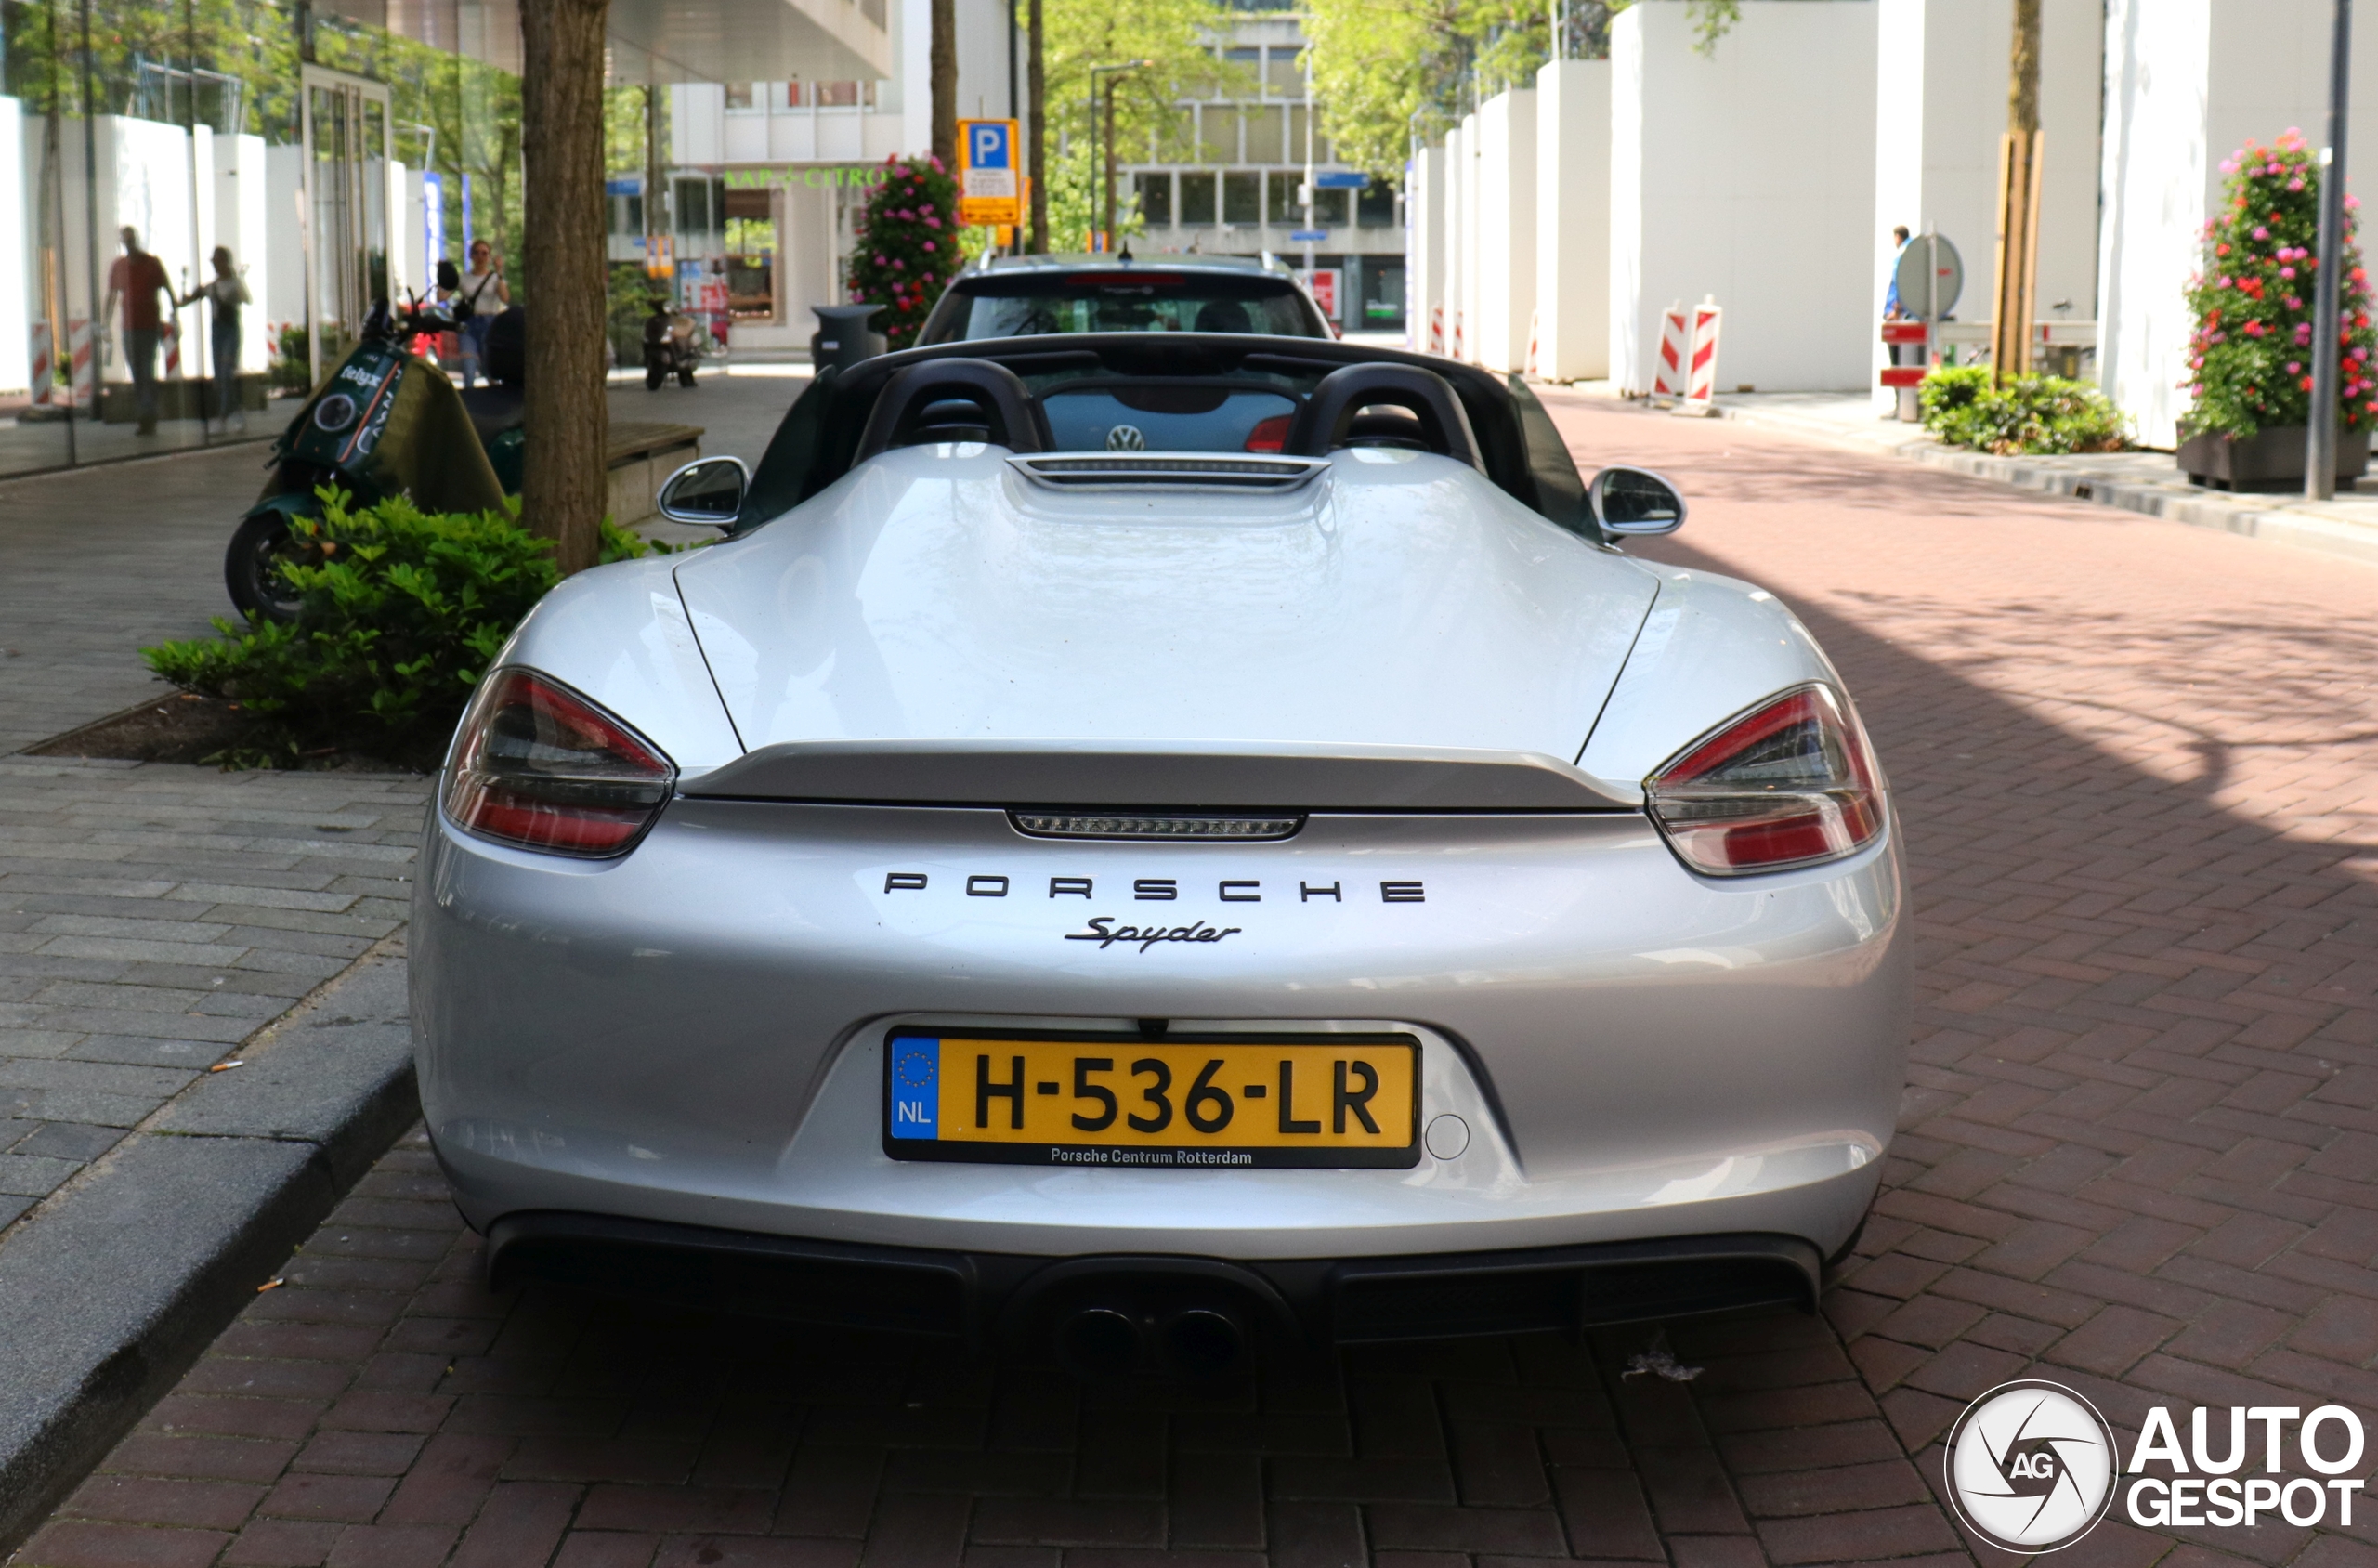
<point x="1116" y="1340"/>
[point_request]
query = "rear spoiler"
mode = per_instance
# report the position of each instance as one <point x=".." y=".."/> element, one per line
<point x="1233" y="775"/>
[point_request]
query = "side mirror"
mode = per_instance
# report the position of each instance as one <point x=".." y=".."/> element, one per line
<point x="1635" y="500"/>
<point x="709" y="492"/>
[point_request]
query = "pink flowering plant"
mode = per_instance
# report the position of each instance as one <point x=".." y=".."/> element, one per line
<point x="907" y="246"/>
<point x="2250" y="358"/>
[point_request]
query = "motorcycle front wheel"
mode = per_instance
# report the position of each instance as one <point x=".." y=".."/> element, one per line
<point x="252" y="568"/>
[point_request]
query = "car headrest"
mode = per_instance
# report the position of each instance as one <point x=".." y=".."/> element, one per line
<point x="915" y="405"/>
<point x="1326" y="421"/>
<point x="505" y="353"/>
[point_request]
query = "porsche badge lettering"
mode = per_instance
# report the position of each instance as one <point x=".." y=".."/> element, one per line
<point x="1104" y="931"/>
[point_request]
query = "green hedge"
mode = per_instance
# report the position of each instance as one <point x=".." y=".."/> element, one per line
<point x="396" y="622"/>
<point x="2031" y="414"/>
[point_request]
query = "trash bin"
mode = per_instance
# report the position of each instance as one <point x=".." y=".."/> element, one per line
<point x="843" y="337"/>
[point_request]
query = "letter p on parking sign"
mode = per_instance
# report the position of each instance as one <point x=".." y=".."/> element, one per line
<point x="988" y="187"/>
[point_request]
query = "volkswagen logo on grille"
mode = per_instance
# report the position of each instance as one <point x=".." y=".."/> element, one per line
<point x="2030" y="1465"/>
<point x="336" y="411"/>
<point x="1126" y="438"/>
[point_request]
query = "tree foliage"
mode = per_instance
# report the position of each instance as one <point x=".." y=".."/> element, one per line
<point x="2250" y="358"/>
<point x="1179" y="38"/>
<point x="1388" y="73"/>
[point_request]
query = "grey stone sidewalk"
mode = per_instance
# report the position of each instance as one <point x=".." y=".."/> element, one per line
<point x="2147" y="482"/>
<point x="153" y="918"/>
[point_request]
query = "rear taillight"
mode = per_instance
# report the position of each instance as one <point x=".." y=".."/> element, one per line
<point x="1269" y="434"/>
<point x="540" y="766"/>
<point x="1790" y="783"/>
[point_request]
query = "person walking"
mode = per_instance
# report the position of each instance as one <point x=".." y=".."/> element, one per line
<point x="226" y="292"/>
<point x="137" y="277"/>
<point x="481" y="299"/>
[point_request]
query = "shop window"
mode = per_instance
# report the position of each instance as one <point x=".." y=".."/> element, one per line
<point x="1375" y="206"/>
<point x="1242" y="198"/>
<point x="738" y="94"/>
<point x="1196" y="199"/>
<point x="694" y="207"/>
<point x="1155" y="199"/>
<point x="838" y="95"/>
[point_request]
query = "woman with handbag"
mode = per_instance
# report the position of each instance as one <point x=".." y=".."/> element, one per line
<point x="479" y="300"/>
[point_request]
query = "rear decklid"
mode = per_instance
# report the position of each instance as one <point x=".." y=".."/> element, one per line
<point x="1398" y="602"/>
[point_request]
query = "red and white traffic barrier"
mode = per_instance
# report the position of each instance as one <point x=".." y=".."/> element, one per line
<point x="1701" y="385"/>
<point x="1676" y="348"/>
<point x="83" y="371"/>
<point x="1436" y="329"/>
<point x="45" y="366"/>
<point x="1534" y="340"/>
<point x="1458" y="351"/>
<point x="1905" y="379"/>
<point x="173" y="350"/>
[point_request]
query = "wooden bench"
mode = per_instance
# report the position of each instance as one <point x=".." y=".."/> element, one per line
<point x="641" y="454"/>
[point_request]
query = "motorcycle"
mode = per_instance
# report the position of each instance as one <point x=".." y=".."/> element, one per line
<point x="385" y="423"/>
<point x="670" y="347"/>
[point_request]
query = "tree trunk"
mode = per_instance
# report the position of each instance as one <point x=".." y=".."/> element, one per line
<point x="945" y="83"/>
<point x="1036" y="128"/>
<point x="2020" y="164"/>
<point x="567" y="424"/>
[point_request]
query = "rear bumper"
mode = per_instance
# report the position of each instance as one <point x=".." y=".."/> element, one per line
<point x="694" y="1034"/>
<point x="1005" y="1300"/>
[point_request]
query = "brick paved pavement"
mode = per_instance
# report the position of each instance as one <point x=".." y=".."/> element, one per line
<point x="2137" y="1158"/>
<point x="153" y="918"/>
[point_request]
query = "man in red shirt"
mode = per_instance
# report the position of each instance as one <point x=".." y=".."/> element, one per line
<point x="137" y="279"/>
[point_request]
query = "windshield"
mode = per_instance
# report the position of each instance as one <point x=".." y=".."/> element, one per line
<point x="1132" y="302"/>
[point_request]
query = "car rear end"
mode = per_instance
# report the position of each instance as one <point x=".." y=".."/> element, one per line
<point x="1003" y="1070"/>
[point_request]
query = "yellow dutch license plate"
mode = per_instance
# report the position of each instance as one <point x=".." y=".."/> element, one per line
<point x="1165" y="1101"/>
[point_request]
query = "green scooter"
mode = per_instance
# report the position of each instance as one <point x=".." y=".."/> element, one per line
<point x="385" y="423"/>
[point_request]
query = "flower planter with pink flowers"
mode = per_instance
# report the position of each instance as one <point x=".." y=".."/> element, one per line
<point x="2250" y="356"/>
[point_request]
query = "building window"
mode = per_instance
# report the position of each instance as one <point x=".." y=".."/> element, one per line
<point x="1155" y="199"/>
<point x="1297" y="117"/>
<point x="1264" y="129"/>
<point x="1242" y="198"/>
<point x="1248" y="66"/>
<point x="1283" y="76"/>
<point x="1196" y="199"/>
<point x="738" y="94"/>
<point x="1329" y="208"/>
<point x="1280" y="199"/>
<point x="1217" y="135"/>
<point x="1375" y="208"/>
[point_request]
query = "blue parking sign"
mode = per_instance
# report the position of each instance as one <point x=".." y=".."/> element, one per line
<point x="987" y="145"/>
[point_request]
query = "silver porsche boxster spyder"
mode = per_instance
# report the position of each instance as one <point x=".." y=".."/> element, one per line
<point x="1147" y="845"/>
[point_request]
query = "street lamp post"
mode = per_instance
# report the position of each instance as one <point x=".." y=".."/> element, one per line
<point x="2321" y="430"/>
<point x="1106" y="238"/>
